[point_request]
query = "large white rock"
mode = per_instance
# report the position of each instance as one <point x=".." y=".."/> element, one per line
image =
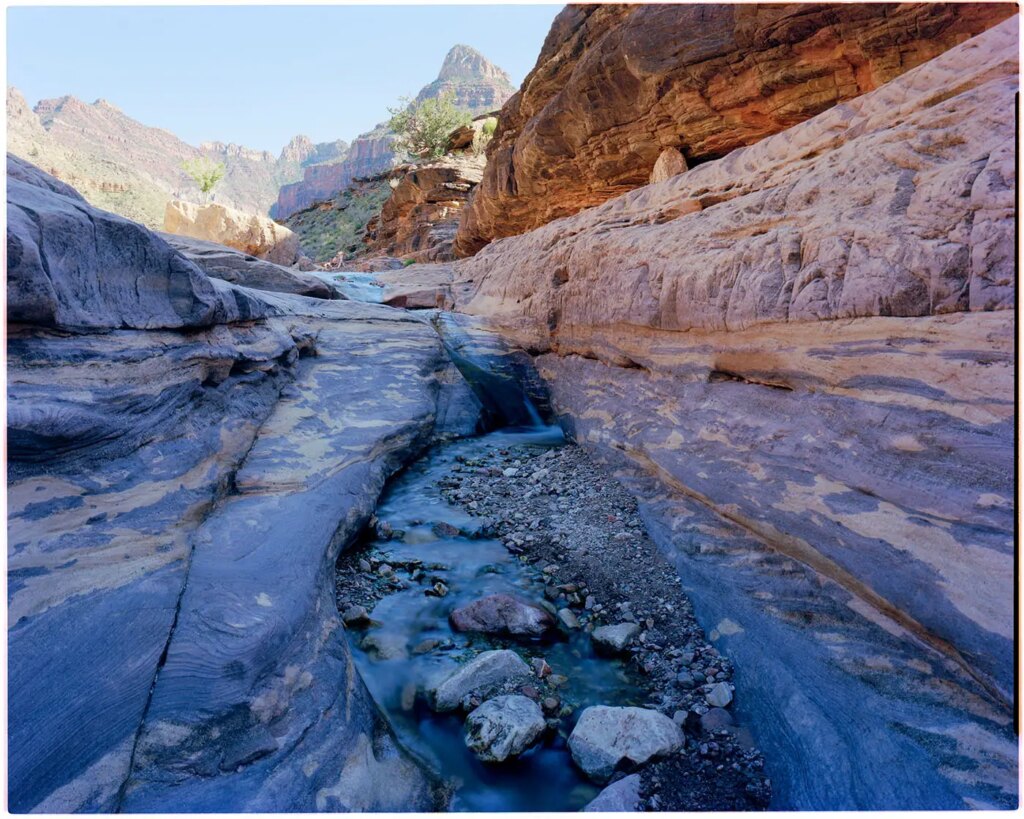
<point x="608" y="739"/>
<point x="504" y="727"/>
<point x="485" y="673"/>
<point x="251" y="233"/>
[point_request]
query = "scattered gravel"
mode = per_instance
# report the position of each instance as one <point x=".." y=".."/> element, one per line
<point x="578" y="532"/>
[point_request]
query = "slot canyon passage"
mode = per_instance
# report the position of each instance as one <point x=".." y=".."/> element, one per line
<point x="641" y="489"/>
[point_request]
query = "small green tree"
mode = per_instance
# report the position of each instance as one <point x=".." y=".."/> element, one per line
<point x="482" y="138"/>
<point x="423" y="128"/>
<point x="204" y="172"/>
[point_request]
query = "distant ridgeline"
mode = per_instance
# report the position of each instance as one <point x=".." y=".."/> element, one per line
<point x="478" y="86"/>
<point x="132" y="169"/>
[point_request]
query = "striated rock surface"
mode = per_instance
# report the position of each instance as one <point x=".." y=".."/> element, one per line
<point x="614" y="85"/>
<point x="132" y="169"/>
<point x="249" y="233"/>
<point x="418" y="221"/>
<point x="186" y="458"/>
<point x="779" y="270"/>
<point x="800" y="357"/>
<point x="478" y="86"/>
<point x="221" y="262"/>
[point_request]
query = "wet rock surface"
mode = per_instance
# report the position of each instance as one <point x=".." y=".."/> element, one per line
<point x="504" y="727"/>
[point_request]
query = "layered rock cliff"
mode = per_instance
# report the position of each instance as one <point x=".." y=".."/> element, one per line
<point x="615" y="85"/>
<point x="186" y="458"/>
<point x="418" y="221"/>
<point x="132" y="169"/>
<point x="478" y="86"/>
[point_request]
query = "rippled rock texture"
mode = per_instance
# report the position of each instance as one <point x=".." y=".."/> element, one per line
<point x="186" y="459"/>
<point x="615" y="85"/>
<point x="811" y="341"/>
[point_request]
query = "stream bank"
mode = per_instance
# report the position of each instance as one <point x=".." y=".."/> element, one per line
<point x="520" y="512"/>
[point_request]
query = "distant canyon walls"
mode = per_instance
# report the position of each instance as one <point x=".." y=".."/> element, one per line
<point x="476" y="85"/>
<point x="615" y="85"/>
<point x="813" y="336"/>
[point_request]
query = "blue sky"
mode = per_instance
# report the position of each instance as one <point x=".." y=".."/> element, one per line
<point x="258" y="75"/>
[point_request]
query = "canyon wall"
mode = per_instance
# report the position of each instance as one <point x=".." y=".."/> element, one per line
<point x="814" y="337"/>
<point x="186" y="459"/>
<point x="615" y="85"/>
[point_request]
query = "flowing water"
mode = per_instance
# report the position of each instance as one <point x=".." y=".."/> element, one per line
<point x="354" y="285"/>
<point x="542" y="779"/>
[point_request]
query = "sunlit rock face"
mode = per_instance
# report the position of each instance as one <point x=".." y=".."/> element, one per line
<point x="186" y="458"/>
<point x="614" y="85"/>
<point x="250" y="233"/>
<point x="825" y="323"/>
<point x="419" y="219"/>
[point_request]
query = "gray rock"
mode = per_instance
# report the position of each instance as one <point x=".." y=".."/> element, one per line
<point x="486" y="673"/>
<point x="619" y="797"/>
<point x="355" y="616"/>
<point x="504" y="727"/>
<point x="385" y="645"/>
<point x="230" y="265"/>
<point x="716" y="719"/>
<point x="502" y="614"/>
<point x="614" y="639"/>
<point x="608" y="739"/>
<point x="568" y="619"/>
<point x="719" y="696"/>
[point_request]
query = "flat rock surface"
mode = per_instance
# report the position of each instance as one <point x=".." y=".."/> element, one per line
<point x="177" y="501"/>
<point x="221" y="262"/>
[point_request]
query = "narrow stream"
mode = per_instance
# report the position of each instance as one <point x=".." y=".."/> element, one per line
<point x="542" y="779"/>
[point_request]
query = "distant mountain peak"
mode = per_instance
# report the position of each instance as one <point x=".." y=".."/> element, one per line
<point x="465" y="63"/>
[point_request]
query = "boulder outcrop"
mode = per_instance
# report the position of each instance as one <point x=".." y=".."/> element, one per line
<point x="249" y="233"/>
<point x="419" y="219"/>
<point x="614" y="85"/>
<point x="182" y="474"/>
<point x="221" y="262"/>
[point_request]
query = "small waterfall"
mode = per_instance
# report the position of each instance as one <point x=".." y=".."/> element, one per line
<point x="504" y="380"/>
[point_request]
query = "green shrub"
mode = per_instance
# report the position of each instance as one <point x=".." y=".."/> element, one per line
<point x="422" y="128"/>
<point x="407" y="262"/>
<point x="204" y="172"/>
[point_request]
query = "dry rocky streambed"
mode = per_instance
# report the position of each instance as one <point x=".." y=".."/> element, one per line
<point x="529" y="643"/>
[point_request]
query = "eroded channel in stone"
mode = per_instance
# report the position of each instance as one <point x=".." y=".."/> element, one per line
<point x="448" y="555"/>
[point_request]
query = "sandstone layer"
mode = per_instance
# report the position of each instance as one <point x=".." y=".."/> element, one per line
<point x="418" y="221"/>
<point x="614" y="85"/>
<point x="855" y="276"/>
<point x="249" y="233"/>
<point x="186" y="458"/>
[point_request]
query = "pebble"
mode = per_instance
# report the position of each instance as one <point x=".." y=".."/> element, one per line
<point x="568" y="619"/>
<point x="719" y="696"/>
